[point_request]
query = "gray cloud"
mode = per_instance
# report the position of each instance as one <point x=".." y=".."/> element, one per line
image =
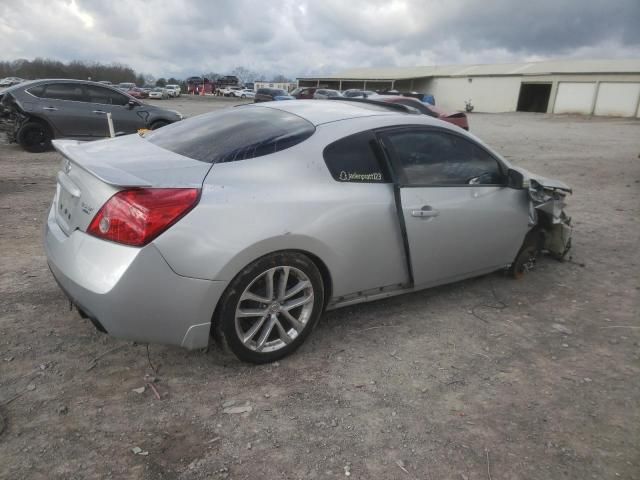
<point x="297" y="37"/>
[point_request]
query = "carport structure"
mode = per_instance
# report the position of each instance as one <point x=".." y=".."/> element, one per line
<point x="588" y="87"/>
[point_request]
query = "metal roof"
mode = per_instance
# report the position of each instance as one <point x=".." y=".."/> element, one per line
<point x="548" y="67"/>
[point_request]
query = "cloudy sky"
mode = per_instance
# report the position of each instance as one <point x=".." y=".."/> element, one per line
<point x="296" y="37"/>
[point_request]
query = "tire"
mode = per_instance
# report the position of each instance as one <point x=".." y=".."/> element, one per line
<point x="269" y="330"/>
<point x="34" y="137"/>
<point x="158" y="124"/>
<point x="243" y="96"/>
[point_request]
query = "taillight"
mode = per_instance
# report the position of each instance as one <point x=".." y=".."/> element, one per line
<point x="137" y="216"/>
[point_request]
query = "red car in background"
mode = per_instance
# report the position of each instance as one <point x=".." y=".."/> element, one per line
<point x="457" y="118"/>
<point x="138" y="93"/>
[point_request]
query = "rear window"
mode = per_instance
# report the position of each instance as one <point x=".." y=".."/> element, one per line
<point x="355" y="159"/>
<point x="233" y="134"/>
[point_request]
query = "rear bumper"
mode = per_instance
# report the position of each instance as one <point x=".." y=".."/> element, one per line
<point x="131" y="292"/>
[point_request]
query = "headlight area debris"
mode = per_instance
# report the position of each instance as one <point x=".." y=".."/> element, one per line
<point x="546" y="214"/>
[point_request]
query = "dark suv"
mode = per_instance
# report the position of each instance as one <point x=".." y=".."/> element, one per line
<point x="42" y="110"/>
<point x="270" y="94"/>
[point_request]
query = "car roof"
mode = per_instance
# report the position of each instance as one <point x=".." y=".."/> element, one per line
<point x="324" y="111"/>
<point x="25" y="85"/>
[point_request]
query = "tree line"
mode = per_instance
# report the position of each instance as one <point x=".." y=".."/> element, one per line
<point x="113" y="72"/>
<point x="48" y="68"/>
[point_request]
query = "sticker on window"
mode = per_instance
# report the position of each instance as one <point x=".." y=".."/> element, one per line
<point x="360" y="177"/>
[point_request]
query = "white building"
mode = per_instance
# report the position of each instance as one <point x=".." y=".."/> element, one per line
<point x="286" y="86"/>
<point x="589" y="87"/>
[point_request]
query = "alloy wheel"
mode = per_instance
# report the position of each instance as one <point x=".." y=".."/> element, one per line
<point x="274" y="309"/>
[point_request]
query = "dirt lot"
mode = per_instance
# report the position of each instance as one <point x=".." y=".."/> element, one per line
<point x="441" y="384"/>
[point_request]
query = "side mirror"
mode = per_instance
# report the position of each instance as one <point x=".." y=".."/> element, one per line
<point x="133" y="103"/>
<point x="515" y="179"/>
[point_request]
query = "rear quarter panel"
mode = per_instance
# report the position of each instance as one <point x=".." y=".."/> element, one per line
<point x="289" y="201"/>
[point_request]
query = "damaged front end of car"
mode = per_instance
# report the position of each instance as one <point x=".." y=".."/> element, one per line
<point x="550" y="226"/>
<point x="547" y="214"/>
<point x="11" y="116"/>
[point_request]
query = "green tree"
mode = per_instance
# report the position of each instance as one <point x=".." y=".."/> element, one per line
<point x="161" y="82"/>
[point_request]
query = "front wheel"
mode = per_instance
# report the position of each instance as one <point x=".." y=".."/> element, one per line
<point x="270" y="307"/>
<point x="243" y="96"/>
<point x="158" y="124"/>
<point x="34" y="137"/>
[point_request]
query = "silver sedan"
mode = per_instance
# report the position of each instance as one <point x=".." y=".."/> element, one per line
<point x="246" y="224"/>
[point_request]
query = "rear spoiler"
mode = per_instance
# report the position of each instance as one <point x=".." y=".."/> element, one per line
<point x="113" y="176"/>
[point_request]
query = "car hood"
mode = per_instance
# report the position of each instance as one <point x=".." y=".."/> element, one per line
<point x="132" y="161"/>
<point x="160" y="110"/>
<point x="536" y="180"/>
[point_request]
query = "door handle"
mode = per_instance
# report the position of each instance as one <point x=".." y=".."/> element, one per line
<point x="425" y="211"/>
<point x="99" y="111"/>
<point x="52" y="109"/>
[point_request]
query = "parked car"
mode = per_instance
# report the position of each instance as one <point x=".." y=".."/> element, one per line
<point x="324" y="93"/>
<point x="304" y="93"/>
<point x="126" y="86"/>
<point x="139" y="93"/>
<point x="269" y="94"/>
<point x="228" y="91"/>
<point x="356" y="93"/>
<point x="457" y="118"/>
<point x="159" y="93"/>
<point x="423" y="97"/>
<point x="244" y="93"/>
<point x="307" y="93"/>
<point x="325" y="204"/>
<point x="173" y="89"/>
<point x="10" y="81"/>
<point x="42" y="110"/>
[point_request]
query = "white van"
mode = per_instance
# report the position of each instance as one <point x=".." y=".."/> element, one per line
<point x="174" y="90"/>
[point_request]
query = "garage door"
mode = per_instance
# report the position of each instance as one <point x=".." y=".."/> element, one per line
<point x="617" y="99"/>
<point x="574" y="97"/>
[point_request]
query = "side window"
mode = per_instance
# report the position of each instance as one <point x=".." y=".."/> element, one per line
<point x="353" y="159"/>
<point x="98" y="95"/>
<point x="118" y="98"/>
<point x="37" y="91"/>
<point x="434" y="158"/>
<point x="64" y="91"/>
<point x="105" y="96"/>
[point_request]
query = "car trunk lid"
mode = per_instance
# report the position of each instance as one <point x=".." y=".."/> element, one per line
<point x="91" y="173"/>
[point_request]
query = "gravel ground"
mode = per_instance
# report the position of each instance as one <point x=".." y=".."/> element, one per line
<point x="487" y="378"/>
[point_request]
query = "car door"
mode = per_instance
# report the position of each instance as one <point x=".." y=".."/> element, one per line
<point x="460" y="217"/>
<point x="63" y="105"/>
<point x="105" y="100"/>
